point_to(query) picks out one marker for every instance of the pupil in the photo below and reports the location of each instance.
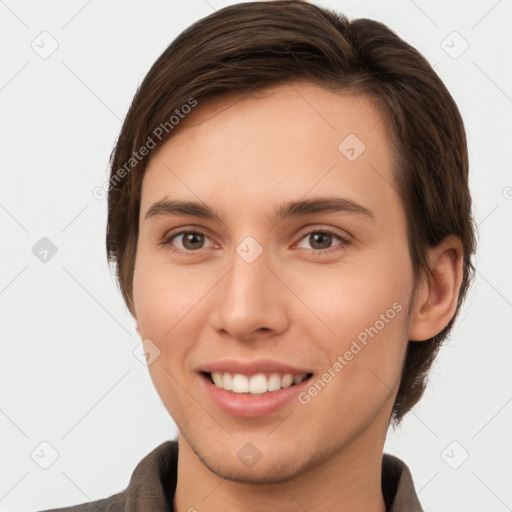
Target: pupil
(189, 240)
(318, 238)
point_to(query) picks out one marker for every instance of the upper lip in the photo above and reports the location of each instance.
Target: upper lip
(252, 367)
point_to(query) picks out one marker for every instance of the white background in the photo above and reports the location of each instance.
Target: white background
(68, 373)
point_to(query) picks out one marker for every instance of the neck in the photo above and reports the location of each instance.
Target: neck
(343, 480)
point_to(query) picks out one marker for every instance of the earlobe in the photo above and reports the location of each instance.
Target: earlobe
(437, 296)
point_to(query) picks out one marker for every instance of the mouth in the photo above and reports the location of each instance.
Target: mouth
(253, 388)
(262, 383)
(255, 395)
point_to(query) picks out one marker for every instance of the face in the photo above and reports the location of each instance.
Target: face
(251, 283)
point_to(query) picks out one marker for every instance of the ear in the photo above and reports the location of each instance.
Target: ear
(436, 298)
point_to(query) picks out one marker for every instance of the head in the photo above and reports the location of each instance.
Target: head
(262, 104)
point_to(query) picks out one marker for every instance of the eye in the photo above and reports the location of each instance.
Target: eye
(321, 241)
(190, 241)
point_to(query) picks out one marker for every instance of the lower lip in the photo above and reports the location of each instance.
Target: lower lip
(251, 406)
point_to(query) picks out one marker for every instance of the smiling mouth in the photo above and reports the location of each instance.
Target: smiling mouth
(256, 384)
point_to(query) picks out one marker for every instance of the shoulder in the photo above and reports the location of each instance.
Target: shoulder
(398, 486)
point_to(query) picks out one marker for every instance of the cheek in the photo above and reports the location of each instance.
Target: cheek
(170, 308)
(365, 327)
(164, 303)
(164, 295)
(364, 354)
(352, 297)
(363, 313)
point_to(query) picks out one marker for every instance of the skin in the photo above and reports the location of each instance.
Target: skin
(244, 157)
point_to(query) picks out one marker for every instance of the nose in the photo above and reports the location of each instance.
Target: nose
(250, 301)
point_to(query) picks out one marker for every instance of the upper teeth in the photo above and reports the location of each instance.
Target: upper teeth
(259, 383)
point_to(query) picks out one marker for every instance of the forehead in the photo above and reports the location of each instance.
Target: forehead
(288, 140)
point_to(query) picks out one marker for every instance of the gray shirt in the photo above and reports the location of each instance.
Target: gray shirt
(153, 482)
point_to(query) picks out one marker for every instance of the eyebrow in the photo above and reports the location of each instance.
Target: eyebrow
(169, 207)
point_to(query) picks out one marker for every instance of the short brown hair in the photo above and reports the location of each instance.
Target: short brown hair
(253, 45)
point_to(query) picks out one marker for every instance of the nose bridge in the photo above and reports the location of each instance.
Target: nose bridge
(247, 299)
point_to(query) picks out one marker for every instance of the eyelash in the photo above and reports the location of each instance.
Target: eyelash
(344, 241)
